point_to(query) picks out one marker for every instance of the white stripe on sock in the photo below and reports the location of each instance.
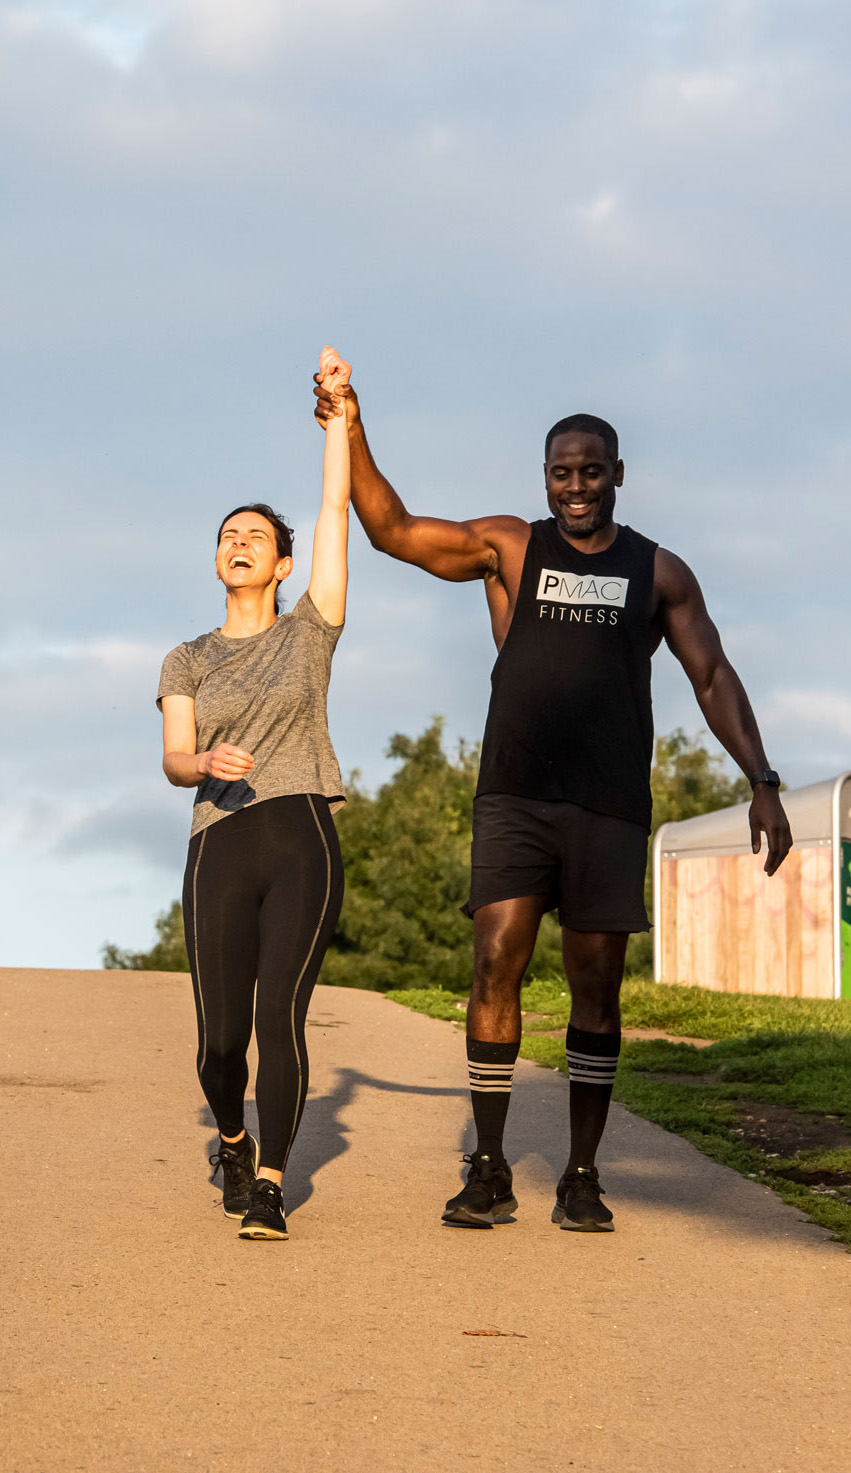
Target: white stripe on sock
(490, 1078)
(591, 1068)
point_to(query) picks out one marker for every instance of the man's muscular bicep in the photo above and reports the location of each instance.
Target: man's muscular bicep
(684, 620)
(458, 551)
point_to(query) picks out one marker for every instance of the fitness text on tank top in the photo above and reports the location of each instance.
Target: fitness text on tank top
(570, 715)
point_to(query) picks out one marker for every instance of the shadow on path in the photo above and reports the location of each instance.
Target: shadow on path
(635, 1171)
(641, 1165)
(323, 1136)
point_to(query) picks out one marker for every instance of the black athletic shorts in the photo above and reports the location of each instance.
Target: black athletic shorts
(589, 865)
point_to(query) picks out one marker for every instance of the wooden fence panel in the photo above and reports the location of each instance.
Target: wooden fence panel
(727, 926)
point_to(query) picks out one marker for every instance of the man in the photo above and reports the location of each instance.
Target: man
(578, 606)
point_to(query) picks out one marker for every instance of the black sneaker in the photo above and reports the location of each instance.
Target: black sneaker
(265, 1215)
(578, 1207)
(487, 1198)
(238, 1160)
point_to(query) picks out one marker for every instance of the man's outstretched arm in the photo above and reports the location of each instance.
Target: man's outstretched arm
(691, 635)
(457, 551)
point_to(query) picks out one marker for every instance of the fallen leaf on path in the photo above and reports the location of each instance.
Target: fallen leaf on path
(503, 1334)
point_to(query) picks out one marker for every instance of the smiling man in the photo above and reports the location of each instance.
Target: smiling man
(561, 818)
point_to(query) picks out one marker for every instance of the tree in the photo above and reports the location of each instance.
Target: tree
(406, 852)
(168, 954)
(407, 859)
(688, 779)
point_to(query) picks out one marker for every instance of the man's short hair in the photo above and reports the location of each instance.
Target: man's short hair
(591, 426)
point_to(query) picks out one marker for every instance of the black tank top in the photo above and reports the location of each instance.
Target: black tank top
(570, 713)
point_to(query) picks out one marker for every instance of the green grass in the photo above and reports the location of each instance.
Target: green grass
(433, 1001)
(791, 1053)
(695, 1012)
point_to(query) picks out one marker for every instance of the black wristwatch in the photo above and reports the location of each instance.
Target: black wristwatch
(769, 776)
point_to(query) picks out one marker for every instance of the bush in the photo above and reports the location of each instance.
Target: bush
(406, 853)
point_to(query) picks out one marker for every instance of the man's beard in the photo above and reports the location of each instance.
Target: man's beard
(600, 516)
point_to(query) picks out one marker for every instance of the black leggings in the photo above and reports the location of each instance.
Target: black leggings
(261, 897)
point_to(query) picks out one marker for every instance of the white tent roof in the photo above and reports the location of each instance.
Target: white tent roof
(812, 812)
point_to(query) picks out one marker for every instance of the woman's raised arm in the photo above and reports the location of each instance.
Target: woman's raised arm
(330, 571)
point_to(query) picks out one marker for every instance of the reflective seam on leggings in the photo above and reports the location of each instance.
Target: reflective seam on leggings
(197, 963)
(309, 956)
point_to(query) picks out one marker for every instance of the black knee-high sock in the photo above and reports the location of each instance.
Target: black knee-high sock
(592, 1059)
(491, 1069)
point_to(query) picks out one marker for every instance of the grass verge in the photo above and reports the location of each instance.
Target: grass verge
(769, 1097)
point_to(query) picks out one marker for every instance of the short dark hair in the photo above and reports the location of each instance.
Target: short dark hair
(283, 533)
(591, 425)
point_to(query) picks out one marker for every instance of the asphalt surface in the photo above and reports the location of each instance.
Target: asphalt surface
(709, 1332)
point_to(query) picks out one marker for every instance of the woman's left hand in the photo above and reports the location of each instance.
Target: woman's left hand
(333, 376)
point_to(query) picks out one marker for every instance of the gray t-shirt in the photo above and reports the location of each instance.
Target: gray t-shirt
(266, 694)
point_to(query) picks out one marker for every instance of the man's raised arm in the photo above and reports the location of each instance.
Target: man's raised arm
(457, 551)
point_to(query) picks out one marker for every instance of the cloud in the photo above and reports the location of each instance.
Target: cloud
(823, 715)
(115, 31)
(146, 825)
(113, 656)
(232, 37)
(502, 213)
(146, 822)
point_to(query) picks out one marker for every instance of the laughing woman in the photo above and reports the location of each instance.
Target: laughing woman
(245, 722)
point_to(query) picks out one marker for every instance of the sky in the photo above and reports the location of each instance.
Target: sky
(501, 213)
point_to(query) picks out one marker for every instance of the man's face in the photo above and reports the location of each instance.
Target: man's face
(580, 480)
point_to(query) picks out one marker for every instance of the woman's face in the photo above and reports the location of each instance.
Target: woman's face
(247, 555)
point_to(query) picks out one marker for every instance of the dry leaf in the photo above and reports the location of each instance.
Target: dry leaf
(503, 1334)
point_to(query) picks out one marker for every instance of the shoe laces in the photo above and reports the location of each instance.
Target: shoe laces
(268, 1191)
(237, 1162)
(584, 1181)
(482, 1168)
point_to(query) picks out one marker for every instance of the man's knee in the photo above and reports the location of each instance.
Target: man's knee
(498, 966)
(595, 1011)
(594, 968)
(595, 1003)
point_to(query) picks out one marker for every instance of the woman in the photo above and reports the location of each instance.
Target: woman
(245, 721)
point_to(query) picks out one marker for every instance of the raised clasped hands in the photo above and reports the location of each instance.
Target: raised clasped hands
(333, 391)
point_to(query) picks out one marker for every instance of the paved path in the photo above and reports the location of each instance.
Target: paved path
(709, 1332)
